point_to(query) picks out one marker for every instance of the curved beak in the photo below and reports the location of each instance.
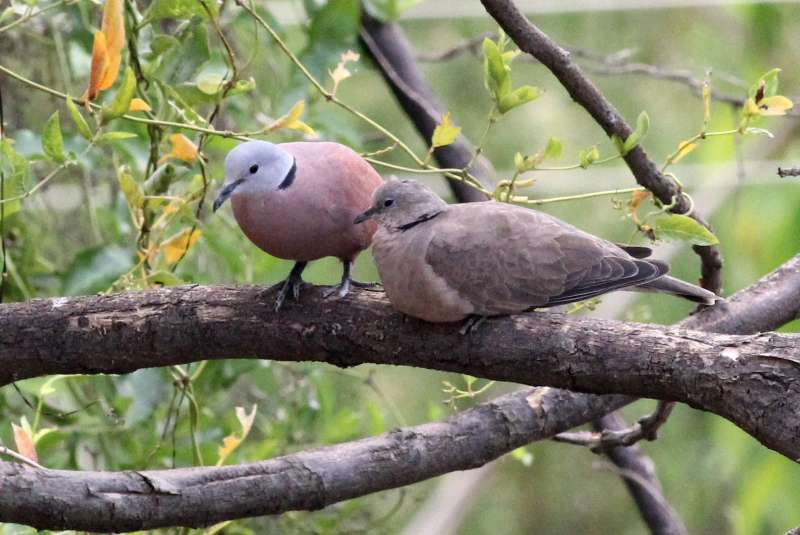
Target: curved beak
(369, 214)
(225, 193)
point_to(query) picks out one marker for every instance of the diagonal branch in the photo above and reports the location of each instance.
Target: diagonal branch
(392, 53)
(532, 40)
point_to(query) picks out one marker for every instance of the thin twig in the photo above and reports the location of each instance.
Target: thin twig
(645, 428)
(789, 171)
(21, 458)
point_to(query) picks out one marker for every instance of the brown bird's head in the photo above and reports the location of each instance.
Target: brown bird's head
(402, 204)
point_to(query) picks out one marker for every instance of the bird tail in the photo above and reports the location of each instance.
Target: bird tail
(671, 285)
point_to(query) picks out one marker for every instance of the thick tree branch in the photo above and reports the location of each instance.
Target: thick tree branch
(550, 410)
(134, 500)
(751, 380)
(392, 53)
(532, 40)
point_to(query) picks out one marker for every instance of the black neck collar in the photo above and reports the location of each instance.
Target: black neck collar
(421, 219)
(289, 178)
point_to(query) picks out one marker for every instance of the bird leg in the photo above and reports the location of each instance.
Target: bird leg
(292, 285)
(471, 324)
(343, 287)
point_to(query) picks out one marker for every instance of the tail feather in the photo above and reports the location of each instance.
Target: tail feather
(671, 285)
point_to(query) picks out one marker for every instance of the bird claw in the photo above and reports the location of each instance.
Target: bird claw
(288, 286)
(340, 289)
(471, 324)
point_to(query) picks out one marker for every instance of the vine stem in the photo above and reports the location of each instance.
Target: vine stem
(549, 200)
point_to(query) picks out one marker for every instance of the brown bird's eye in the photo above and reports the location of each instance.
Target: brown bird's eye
(388, 202)
(253, 169)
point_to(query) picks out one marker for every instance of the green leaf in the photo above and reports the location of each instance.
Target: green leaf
(93, 270)
(682, 227)
(77, 118)
(18, 175)
(116, 135)
(210, 82)
(179, 9)
(553, 149)
(122, 100)
(587, 157)
(336, 24)
(770, 80)
(445, 133)
(158, 183)
(131, 189)
(495, 73)
(518, 97)
(642, 126)
(52, 141)
(164, 278)
(181, 62)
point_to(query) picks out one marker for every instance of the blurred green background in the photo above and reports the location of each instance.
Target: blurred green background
(75, 236)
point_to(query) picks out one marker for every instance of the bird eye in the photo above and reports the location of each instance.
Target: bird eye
(388, 202)
(253, 169)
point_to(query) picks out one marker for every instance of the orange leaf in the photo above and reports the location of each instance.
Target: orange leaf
(99, 65)
(138, 104)
(24, 443)
(182, 149)
(113, 28)
(176, 246)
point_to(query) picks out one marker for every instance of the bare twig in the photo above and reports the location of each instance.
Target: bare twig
(19, 457)
(788, 171)
(613, 437)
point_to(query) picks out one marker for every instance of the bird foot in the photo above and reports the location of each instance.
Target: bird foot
(340, 290)
(289, 286)
(471, 324)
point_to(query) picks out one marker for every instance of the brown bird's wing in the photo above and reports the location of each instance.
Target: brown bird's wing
(506, 259)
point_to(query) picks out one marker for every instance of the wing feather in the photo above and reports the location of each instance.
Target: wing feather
(506, 259)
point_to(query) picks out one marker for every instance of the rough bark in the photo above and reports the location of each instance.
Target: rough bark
(58, 499)
(751, 380)
(195, 497)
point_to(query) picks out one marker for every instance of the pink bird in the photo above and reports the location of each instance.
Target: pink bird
(297, 201)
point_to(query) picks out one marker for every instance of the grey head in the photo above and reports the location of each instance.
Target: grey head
(403, 204)
(255, 167)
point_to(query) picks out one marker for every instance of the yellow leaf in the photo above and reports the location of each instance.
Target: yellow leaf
(138, 104)
(684, 148)
(176, 246)
(232, 441)
(24, 442)
(444, 133)
(775, 105)
(182, 149)
(113, 27)
(99, 66)
(341, 72)
(292, 120)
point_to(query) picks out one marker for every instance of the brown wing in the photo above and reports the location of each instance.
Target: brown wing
(507, 259)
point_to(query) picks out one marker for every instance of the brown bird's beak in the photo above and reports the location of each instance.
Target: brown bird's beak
(226, 192)
(369, 214)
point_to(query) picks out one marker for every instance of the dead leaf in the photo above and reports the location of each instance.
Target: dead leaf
(24, 443)
(176, 246)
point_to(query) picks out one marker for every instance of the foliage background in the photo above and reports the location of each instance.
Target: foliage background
(75, 236)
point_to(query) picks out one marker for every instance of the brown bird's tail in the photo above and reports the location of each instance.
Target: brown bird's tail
(671, 285)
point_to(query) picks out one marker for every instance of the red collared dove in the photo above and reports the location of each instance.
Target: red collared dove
(297, 201)
(444, 263)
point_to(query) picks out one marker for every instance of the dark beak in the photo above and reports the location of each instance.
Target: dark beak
(365, 216)
(226, 192)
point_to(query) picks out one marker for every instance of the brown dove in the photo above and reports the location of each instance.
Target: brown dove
(297, 201)
(445, 263)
